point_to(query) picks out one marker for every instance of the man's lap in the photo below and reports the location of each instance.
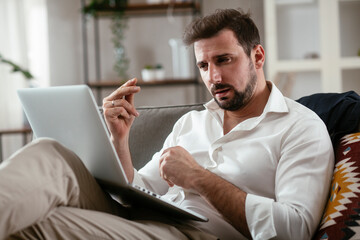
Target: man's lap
(75, 223)
(63, 201)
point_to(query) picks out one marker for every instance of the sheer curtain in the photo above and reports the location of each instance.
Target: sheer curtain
(23, 40)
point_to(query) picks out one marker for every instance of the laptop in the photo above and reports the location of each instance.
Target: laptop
(70, 115)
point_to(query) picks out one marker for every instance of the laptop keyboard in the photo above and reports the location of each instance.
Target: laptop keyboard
(147, 191)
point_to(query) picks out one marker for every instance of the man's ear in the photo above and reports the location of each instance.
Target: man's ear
(259, 56)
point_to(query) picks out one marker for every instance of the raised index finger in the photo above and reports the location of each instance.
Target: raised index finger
(124, 90)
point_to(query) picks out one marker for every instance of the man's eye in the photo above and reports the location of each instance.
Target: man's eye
(223, 60)
(202, 66)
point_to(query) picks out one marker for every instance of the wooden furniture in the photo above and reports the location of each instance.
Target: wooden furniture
(98, 86)
(137, 10)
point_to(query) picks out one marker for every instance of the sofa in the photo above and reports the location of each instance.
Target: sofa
(341, 114)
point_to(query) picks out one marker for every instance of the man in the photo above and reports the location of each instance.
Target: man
(258, 165)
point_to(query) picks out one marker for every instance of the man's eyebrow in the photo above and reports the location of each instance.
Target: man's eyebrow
(223, 55)
(217, 56)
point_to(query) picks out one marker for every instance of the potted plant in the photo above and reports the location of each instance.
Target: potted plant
(118, 26)
(96, 6)
(153, 73)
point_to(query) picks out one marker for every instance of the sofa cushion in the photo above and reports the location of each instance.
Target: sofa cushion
(151, 128)
(339, 111)
(341, 219)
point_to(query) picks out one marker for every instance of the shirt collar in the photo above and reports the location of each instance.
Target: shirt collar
(276, 104)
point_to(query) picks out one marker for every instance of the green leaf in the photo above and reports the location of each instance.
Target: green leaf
(16, 68)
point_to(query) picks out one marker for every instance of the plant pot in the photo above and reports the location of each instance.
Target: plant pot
(148, 75)
(152, 74)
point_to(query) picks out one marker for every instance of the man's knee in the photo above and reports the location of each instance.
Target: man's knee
(46, 143)
(45, 140)
(44, 156)
(39, 145)
(51, 151)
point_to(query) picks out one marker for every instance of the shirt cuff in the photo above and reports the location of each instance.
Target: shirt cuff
(259, 217)
(137, 179)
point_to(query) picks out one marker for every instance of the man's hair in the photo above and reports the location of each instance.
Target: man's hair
(237, 21)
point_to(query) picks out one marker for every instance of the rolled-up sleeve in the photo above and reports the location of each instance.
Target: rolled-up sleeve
(301, 188)
(259, 217)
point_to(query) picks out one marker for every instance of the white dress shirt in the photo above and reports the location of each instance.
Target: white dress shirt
(283, 159)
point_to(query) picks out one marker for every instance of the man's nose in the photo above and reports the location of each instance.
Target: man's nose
(214, 74)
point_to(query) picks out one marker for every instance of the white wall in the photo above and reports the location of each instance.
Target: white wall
(65, 43)
(17, 19)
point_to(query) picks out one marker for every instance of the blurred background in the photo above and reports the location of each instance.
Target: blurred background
(311, 46)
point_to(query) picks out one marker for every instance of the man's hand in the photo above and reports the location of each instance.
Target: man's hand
(178, 167)
(119, 110)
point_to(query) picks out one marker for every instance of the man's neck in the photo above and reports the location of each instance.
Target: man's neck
(253, 108)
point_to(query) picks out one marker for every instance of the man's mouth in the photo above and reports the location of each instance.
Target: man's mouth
(221, 93)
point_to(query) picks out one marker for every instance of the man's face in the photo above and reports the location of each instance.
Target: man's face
(226, 70)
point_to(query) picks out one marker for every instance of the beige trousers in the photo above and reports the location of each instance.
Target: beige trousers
(47, 193)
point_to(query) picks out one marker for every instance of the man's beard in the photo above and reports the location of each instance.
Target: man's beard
(240, 99)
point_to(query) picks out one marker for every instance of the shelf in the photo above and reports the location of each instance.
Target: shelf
(349, 0)
(293, 2)
(24, 130)
(98, 83)
(350, 62)
(326, 29)
(299, 65)
(140, 9)
(98, 86)
(314, 64)
(166, 82)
